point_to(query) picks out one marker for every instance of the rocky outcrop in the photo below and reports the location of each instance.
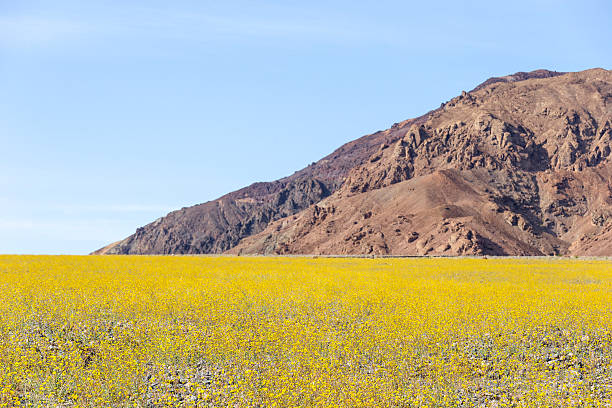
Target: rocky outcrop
(526, 126)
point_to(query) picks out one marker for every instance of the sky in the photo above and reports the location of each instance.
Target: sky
(113, 113)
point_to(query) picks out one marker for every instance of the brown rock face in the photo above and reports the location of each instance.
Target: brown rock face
(515, 167)
(519, 166)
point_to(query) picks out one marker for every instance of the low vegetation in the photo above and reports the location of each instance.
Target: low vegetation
(286, 332)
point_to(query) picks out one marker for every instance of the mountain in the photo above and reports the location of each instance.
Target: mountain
(520, 165)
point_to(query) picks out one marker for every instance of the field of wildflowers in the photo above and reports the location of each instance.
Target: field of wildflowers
(125, 331)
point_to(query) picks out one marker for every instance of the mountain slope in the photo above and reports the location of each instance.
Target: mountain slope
(515, 167)
(361, 166)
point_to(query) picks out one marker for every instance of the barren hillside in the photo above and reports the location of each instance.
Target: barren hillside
(519, 166)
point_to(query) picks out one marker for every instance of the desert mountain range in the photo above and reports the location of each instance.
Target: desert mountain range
(520, 165)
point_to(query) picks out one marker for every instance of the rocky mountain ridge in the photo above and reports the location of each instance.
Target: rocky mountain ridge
(516, 166)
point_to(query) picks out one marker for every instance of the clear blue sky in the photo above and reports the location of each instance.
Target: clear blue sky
(112, 113)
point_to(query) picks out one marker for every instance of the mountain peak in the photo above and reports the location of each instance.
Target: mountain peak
(519, 76)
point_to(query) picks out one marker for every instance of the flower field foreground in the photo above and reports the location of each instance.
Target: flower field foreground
(289, 332)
